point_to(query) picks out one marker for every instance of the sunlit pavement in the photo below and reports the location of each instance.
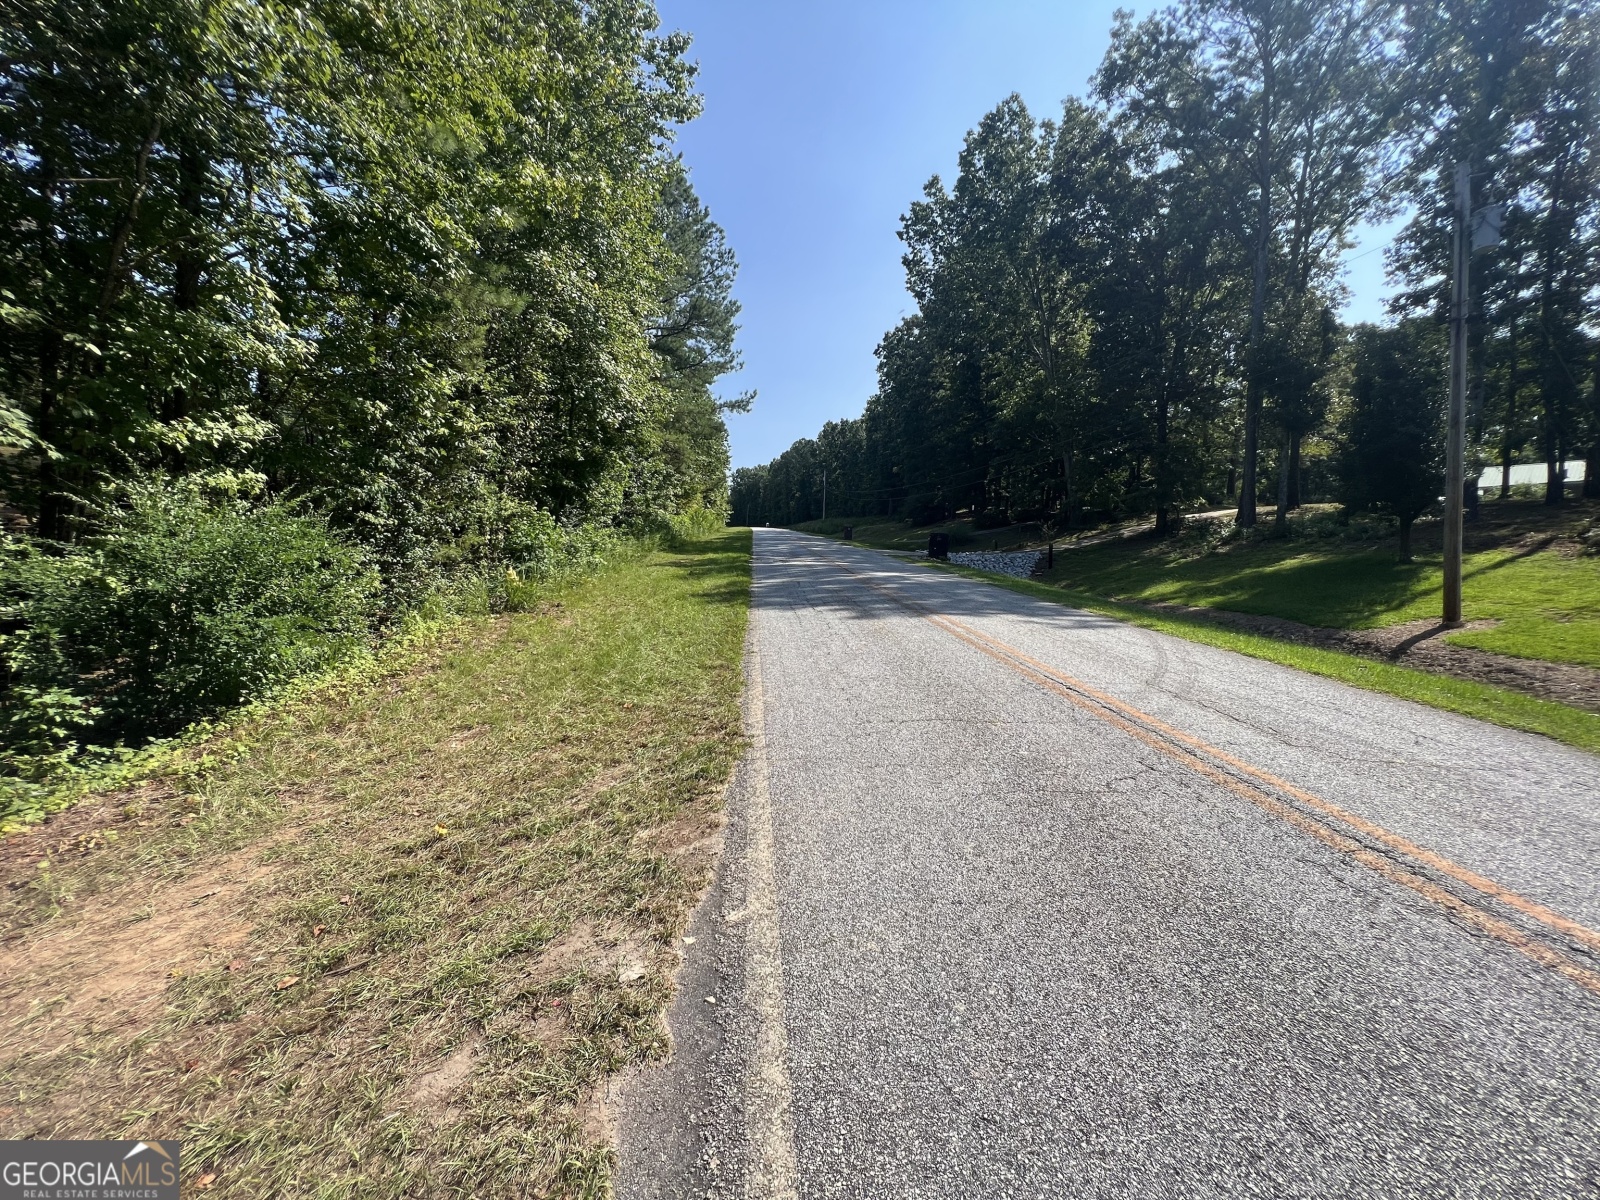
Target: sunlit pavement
(1020, 901)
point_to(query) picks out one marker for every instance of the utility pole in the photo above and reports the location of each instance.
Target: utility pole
(824, 493)
(1456, 427)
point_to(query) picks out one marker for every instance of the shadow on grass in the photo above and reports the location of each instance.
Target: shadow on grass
(1318, 587)
(721, 561)
(1484, 565)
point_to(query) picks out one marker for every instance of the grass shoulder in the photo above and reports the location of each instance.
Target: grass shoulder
(1527, 572)
(395, 945)
(1498, 705)
(1531, 578)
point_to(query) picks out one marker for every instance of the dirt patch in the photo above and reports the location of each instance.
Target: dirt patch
(601, 950)
(1421, 645)
(87, 826)
(104, 972)
(597, 1113)
(432, 1093)
(694, 838)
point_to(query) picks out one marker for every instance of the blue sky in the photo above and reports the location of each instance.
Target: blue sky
(822, 122)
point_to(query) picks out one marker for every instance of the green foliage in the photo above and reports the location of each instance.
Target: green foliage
(426, 280)
(1514, 89)
(1391, 458)
(180, 609)
(453, 292)
(697, 523)
(540, 550)
(1131, 308)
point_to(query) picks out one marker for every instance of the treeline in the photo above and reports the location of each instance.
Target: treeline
(312, 310)
(1132, 309)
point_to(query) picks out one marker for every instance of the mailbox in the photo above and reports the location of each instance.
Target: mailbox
(938, 545)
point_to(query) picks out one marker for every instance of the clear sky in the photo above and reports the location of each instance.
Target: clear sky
(822, 122)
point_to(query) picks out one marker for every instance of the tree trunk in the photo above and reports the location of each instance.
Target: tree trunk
(1555, 478)
(1294, 472)
(1252, 390)
(1161, 467)
(1508, 431)
(190, 261)
(1258, 312)
(1549, 377)
(1591, 462)
(52, 517)
(1280, 519)
(1405, 539)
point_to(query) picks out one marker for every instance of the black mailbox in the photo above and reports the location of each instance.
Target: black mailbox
(938, 545)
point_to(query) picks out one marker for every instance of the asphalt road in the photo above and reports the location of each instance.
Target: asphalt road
(1017, 901)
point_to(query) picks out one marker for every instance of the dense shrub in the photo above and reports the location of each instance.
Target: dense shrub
(699, 521)
(179, 609)
(540, 550)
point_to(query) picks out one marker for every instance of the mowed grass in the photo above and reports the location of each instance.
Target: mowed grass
(395, 948)
(1514, 710)
(1548, 603)
(1547, 600)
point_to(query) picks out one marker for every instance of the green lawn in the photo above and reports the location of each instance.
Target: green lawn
(1547, 599)
(1548, 602)
(392, 947)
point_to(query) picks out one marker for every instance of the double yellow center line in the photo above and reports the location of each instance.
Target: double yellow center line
(1396, 858)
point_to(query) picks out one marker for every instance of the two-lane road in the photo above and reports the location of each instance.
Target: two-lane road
(1018, 901)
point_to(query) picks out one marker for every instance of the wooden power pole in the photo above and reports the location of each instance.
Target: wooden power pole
(1455, 482)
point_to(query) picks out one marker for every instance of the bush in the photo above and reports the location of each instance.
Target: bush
(698, 522)
(179, 609)
(1333, 524)
(539, 550)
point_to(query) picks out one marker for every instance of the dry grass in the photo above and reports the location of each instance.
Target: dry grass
(392, 950)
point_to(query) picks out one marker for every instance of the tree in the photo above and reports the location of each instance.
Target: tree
(1295, 361)
(1511, 88)
(1281, 107)
(433, 282)
(692, 335)
(1391, 439)
(1164, 293)
(1110, 304)
(747, 502)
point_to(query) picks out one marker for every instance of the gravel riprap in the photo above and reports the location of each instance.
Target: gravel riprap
(1001, 562)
